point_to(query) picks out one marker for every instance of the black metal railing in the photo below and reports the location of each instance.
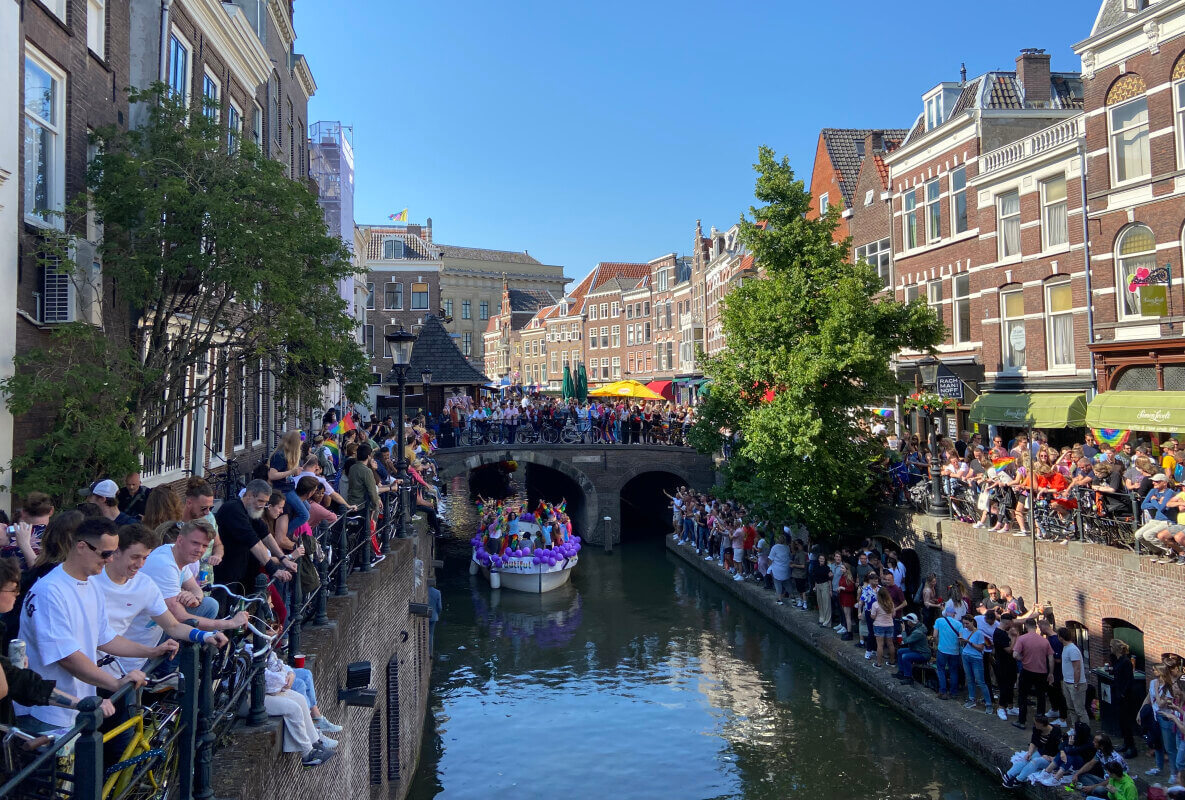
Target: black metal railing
(216, 688)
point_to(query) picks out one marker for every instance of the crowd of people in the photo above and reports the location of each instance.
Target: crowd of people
(131, 571)
(508, 531)
(1006, 485)
(607, 419)
(1014, 662)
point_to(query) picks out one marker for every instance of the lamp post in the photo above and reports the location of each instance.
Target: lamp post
(928, 369)
(400, 343)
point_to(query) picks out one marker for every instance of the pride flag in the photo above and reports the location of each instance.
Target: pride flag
(346, 424)
(400, 217)
(999, 463)
(1111, 436)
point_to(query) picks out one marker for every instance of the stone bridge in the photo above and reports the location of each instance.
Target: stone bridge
(602, 477)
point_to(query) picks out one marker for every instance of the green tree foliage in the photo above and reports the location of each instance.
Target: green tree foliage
(817, 332)
(213, 261)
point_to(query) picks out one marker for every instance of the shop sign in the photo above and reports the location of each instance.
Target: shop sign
(1154, 301)
(950, 386)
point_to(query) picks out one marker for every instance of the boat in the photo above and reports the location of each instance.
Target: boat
(533, 569)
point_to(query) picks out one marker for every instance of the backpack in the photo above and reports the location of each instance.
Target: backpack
(1179, 472)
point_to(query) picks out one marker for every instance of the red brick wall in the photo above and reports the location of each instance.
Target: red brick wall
(824, 181)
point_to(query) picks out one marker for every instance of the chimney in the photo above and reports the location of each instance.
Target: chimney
(427, 234)
(1032, 70)
(414, 230)
(874, 142)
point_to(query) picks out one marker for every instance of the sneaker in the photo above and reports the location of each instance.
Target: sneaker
(781, 602)
(1020, 533)
(969, 704)
(1002, 714)
(316, 757)
(867, 655)
(1061, 723)
(1014, 711)
(326, 726)
(979, 525)
(876, 665)
(842, 631)
(326, 743)
(738, 577)
(1153, 771)
(989, 711)
(837, 627)
(709, 558)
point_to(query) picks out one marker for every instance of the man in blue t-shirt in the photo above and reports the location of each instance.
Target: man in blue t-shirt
(947, 630)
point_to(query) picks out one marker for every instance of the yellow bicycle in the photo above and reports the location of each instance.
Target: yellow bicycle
(147, 766)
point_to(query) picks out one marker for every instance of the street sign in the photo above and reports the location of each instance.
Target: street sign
(1154, 301)
(950, 386)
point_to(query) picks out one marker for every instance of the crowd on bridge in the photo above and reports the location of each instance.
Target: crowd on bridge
(1015, 662)
(533, 417)
(98, 595)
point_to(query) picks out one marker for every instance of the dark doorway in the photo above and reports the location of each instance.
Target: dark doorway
(645, 507)
(545, 483)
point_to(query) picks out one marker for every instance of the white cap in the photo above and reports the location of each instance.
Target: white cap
(105, 488)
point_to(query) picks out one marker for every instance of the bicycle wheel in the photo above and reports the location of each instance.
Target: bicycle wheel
(525, 436)
(570, 435)
(494, 435)
(551, 435)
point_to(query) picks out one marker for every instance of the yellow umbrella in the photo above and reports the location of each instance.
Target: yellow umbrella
(626, 388)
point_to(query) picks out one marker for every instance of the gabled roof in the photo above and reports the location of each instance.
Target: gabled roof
(435, 349)
(845, 149)
(482, 254)
(529, 300)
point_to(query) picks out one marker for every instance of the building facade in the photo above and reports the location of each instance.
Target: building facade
(11, 69)
(839, 155)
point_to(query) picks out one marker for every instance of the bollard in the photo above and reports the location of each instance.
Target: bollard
(294, 622)
(343, 562)
(385, 533)
(188, 702)
(257, 715)
(1078, 521)
(322, 615)
(88, 752)
(203, 758)
(1136, 521)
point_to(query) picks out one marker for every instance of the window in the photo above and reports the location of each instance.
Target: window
(604, 338)
(646, 309)
(45, 152)
(257, 126)
(368, 339)
(1136, 250)
(448, 308)
(961, 308)
(1053, 212)
(466, 343)
(180, 52)
(1012, 330)
(604, 369)
(466, 312)
(911, 293)
(878, 255)
(1059, 324)
(392, 249)
(370, 297)
(484, 309)
(394, 297)
(592, 339)
(1130, 157)
(96, 27)
(647, 332)
(911, 220)
(615, 309)
(823, 204)
(615, 332)
(592, 312)
(670, 355)
(234, 128)
(958, 200)
(604, 310)
(257, 422)
(662, 281)
(934, 296)
(933, 112)
(868, 197)
(211, 89)
(419, 297)
(629, 335)
(240, 415)
(933, 211)
(616, 367)
(56, 7)
(57, 302)
(629, 312)
(273, 107)
(1008, 223)
(1179, 98)
(218, 386)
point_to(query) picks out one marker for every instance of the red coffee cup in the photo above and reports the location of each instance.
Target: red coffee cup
(298, 660)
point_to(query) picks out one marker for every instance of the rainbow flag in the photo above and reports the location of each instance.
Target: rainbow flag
(346, 424)
(400, 217)
(1000, 463)
(1111, 436)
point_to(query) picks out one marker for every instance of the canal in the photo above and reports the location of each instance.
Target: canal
(641, 679)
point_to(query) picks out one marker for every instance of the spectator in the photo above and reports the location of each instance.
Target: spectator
(161, 508)
(25, 544)
(64, 625)
(171, 568)
(820, 576)
(244, 535)
(313, 468)
(1160, 701)
(1035, 655)
(1122, 684)
(974, 642)
(102, 494)
(779, 565)
(199, 504)
(847, 601)
(1092, 772)
(282, 699)
(132, 496)
(1004, 664)
(882, 628)
(1043, 749)
(363, 487)
(283, 466)
(1073, 678)
(915, 648)
(798, 567)
(1118, 786)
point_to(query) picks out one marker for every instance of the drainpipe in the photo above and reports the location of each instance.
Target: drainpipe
(1086, 257)
(164, 39)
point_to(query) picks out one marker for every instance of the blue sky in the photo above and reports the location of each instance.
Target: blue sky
(586, 132)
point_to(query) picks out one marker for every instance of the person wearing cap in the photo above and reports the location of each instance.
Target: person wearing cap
(1157, 504)
(915, 648)
(104, 494)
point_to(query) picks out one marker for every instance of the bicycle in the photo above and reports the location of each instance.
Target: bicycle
(229, 482)
(148, 763)
(570, 434)
(527, 434)
(231, 667)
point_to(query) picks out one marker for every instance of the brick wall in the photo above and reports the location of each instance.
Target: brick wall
(1085, 583)
(824, 181)
(368, 625)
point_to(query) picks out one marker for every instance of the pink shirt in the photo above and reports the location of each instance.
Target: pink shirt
(1033, 650)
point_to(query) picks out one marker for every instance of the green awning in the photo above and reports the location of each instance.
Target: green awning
(1159, 412)
(1030, 410)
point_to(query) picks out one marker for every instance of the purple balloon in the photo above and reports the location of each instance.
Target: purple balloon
(536, 561)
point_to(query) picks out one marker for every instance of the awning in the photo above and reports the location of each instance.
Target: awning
(1159, 412)
(1030, 410)
(663, 388)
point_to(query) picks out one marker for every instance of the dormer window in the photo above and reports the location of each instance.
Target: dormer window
(392, 249)
(934, 112)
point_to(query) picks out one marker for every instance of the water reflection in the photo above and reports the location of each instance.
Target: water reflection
(643, 680)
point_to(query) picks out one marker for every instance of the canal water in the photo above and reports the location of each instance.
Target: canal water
(641, 679)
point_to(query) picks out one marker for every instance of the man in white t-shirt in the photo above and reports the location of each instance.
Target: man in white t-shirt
(64, 626)
(169, 567)
(312, 467)
(136, 609)
(1073, 678)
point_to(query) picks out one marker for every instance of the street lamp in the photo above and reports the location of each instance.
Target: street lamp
(400, 343)
(928, 369)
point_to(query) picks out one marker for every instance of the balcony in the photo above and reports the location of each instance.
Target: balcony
(1042, 141)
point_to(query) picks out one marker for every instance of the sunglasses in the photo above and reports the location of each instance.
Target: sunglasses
(103, 554)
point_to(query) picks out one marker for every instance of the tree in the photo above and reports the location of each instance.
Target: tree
(213, 262)
(816, 332)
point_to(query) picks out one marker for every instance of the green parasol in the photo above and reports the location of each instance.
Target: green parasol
(582, 385)
(566, 390)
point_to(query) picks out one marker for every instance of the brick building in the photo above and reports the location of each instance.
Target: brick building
(1133, 66)
(839, 155)
(946, 249)
(869, 217)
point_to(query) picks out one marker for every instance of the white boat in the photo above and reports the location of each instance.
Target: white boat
(521, 573)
